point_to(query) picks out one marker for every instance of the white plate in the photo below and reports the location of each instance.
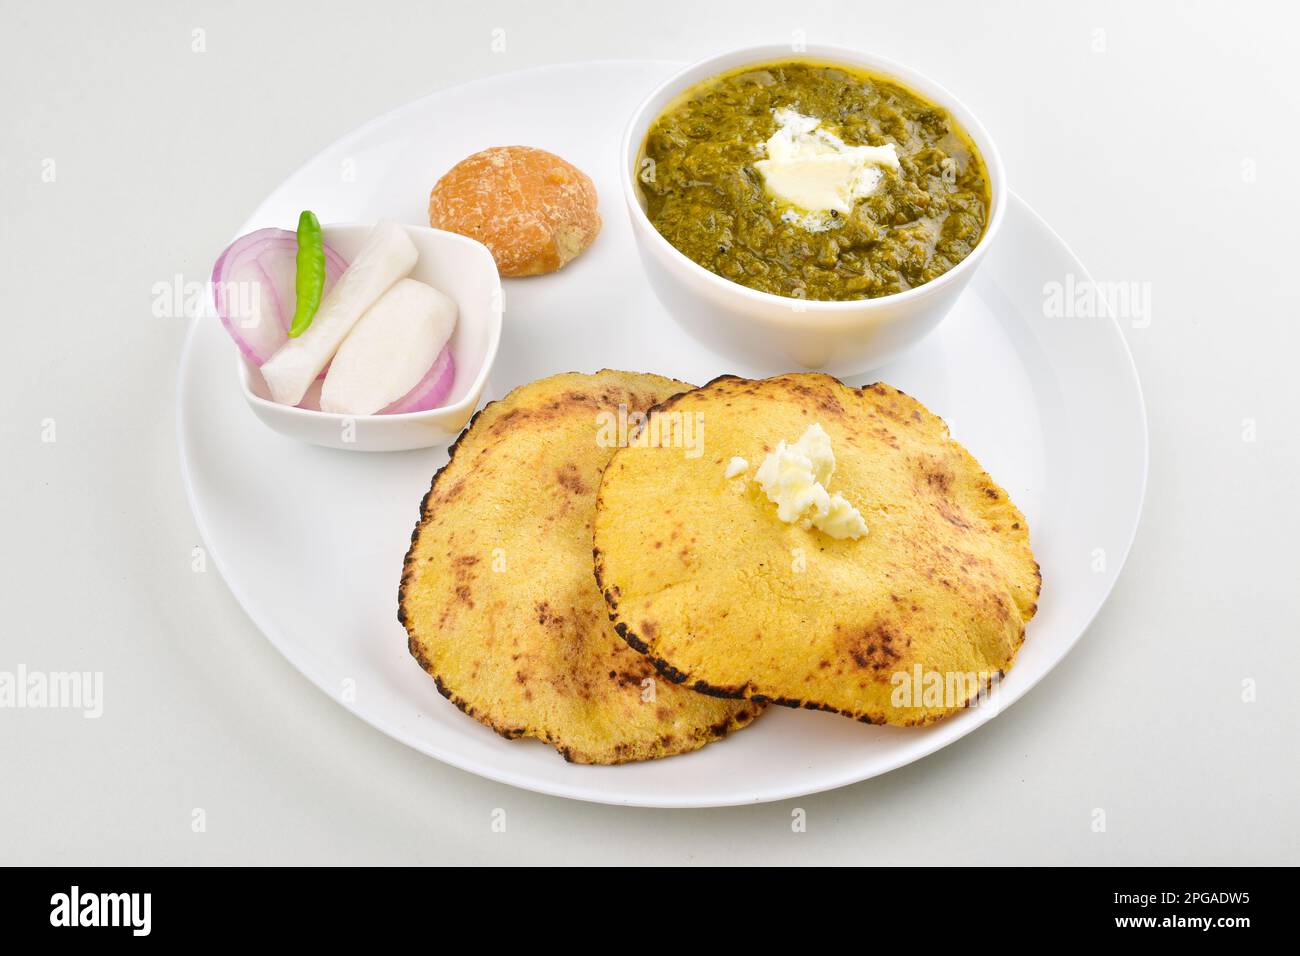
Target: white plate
(1050, 406)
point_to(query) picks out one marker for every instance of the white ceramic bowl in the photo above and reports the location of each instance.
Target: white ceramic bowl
(460, 267)
(775, 332)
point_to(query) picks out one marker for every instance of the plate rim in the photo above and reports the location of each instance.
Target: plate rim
(590, 792)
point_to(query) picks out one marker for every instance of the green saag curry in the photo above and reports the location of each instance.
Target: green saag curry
(705, 196)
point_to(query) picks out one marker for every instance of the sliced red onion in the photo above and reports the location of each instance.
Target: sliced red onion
(253, 289)
(430, 391)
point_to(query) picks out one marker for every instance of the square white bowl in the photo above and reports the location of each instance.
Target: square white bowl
(460, 267)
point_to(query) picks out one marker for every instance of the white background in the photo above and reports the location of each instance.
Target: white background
(1161, 142)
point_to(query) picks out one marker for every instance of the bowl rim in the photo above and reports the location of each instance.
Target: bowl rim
(496, 312)
(829, 311)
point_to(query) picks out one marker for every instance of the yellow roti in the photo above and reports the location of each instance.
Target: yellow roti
(904, 625)
(497, 592)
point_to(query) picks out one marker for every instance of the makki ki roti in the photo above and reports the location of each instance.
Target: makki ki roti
(497, 594)
(904, 625)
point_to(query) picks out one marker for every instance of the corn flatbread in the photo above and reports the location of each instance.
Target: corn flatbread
(699, 573)
(497, 592)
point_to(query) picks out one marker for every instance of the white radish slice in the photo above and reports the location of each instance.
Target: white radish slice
(253, 289)
(389, 351)
(431, 391)
(388, 255)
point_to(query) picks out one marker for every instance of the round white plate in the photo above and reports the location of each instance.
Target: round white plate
(311, 540)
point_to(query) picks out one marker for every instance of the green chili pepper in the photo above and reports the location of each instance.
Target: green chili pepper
(310, 281)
